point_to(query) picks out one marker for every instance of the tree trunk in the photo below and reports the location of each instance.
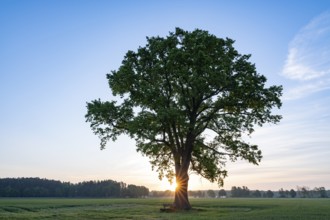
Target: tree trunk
(181, 201)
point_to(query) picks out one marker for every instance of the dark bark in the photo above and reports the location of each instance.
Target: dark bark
(181, 200)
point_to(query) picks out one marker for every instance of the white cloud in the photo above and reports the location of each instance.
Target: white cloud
(298, 67)
(303, 89)
(308, 59)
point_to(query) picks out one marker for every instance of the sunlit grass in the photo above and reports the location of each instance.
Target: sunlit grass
(149, 209)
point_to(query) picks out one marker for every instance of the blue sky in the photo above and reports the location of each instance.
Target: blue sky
(54, 56)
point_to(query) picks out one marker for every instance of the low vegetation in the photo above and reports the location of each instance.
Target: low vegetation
(230, 208)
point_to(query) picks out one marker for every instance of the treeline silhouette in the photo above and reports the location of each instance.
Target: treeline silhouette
(245, 192)
(36, 187)
(300, 192)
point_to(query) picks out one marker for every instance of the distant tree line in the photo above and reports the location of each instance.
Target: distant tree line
(245, 192)
(159, 193)
(317, 192)
(301, 192)
(36, 187)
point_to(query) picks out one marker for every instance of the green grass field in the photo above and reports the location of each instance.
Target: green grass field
(34, 208)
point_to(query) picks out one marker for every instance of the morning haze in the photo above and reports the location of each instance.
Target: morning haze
(55, 56)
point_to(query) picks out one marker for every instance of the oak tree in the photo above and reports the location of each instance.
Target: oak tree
(188, 99)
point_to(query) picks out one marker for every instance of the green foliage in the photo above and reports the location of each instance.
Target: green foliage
(240, 191)
(211, 193)
(222, 193)
(176, 90)
(36, 187)
(256, 194)
(246, 209)
(269, 194)
(293, 193)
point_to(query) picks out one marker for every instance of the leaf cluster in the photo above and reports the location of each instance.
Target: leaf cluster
(179, 89)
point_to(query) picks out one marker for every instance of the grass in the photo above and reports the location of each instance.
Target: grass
(50, 208)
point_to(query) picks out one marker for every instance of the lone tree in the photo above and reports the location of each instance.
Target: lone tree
(188, 100)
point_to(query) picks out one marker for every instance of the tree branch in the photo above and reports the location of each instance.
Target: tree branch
(216, 151)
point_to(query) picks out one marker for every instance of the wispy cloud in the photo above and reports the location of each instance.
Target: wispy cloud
(308, 59)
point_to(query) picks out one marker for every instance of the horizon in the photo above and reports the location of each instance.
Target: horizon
(55, 56)
(309, 188)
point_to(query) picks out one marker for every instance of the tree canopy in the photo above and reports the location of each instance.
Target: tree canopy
(188, 100)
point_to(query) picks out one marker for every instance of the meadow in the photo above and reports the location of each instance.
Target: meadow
(229, 208)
